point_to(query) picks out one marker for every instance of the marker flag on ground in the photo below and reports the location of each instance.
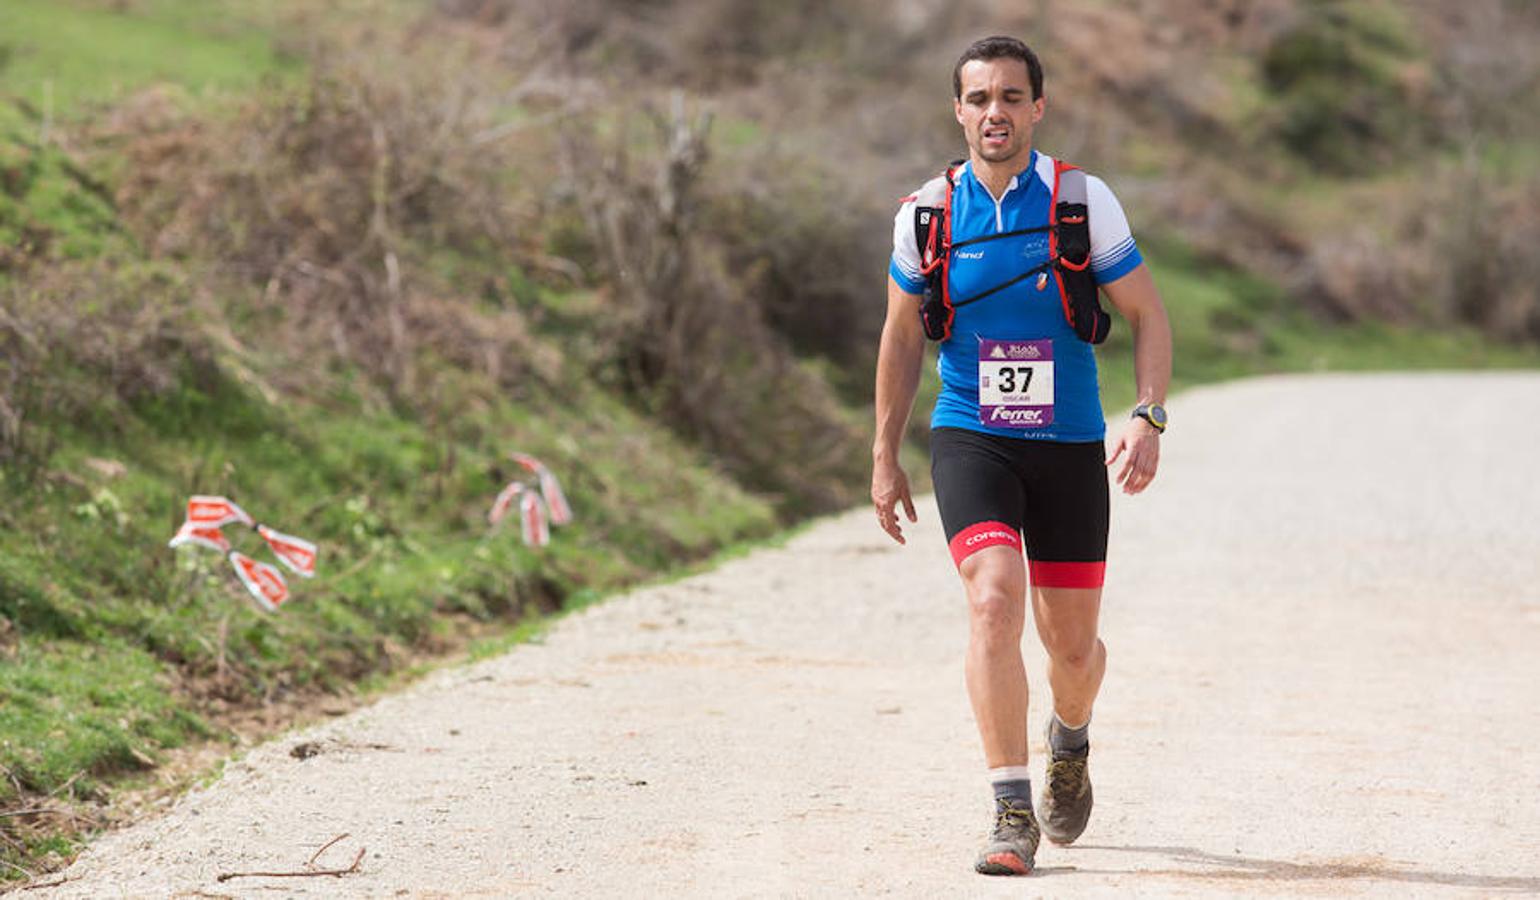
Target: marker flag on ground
(214, 512)
(550, 488)
(297, 554)
(198, 536)
(264, 582)
(504, 502)
(537, 533)
(528, 462)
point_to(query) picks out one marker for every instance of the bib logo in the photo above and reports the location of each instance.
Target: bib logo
(1016, 416)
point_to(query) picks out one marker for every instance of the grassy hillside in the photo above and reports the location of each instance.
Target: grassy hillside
(337, 263)
(65, 56)
(131, 378)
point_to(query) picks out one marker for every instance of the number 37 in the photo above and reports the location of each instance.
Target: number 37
(1008, 376)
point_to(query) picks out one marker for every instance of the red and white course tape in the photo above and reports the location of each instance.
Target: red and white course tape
(297, 554)
(207, 514)
(264, 581)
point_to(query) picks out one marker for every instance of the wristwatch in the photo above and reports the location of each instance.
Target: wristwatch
(1153, 413)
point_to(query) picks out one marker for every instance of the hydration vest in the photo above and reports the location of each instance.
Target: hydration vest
(1069, 254)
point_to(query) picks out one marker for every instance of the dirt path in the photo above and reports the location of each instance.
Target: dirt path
(1324, 633)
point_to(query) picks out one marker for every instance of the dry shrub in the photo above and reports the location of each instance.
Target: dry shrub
(1480, 238)
(1354, 276)
(332, 201)
(77, 339)
(1489, 66)
(689, 336)
(335, 206)
(1460, 253)
(811, 251)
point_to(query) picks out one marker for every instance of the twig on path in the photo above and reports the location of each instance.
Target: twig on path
(324, 847)
(24, 812)
(49, 884)
(314, 873)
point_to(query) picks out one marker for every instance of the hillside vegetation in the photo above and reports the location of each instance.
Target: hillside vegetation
(338, 262)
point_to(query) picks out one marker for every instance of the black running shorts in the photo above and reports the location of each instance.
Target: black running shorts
(1050, 495)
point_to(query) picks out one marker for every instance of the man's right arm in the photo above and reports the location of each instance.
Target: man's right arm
(899, 357)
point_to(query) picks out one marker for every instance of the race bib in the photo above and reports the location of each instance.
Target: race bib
(1016, 383)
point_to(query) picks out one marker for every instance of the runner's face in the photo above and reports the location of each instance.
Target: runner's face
(996, 109)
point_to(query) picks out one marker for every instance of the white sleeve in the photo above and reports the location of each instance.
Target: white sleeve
(1113, 251)
(905, 264)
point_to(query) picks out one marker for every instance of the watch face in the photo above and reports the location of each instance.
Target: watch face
(1158, 415)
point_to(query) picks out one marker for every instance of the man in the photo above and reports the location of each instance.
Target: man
(1036, 483)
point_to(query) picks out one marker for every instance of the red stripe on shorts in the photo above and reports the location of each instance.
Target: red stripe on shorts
(983, 534)
(1067, 574)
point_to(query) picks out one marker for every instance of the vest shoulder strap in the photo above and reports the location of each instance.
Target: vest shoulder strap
(1069, 185)
(930, 204)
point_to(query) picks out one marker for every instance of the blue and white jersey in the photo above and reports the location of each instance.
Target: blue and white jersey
(1028, 310)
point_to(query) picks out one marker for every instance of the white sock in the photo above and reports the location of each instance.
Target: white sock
(1011, 783)
(1010, 773)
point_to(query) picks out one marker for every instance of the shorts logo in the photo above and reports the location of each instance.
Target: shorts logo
(983, 534)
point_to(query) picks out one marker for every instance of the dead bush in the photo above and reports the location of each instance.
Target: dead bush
(336, 201)
(78, 340)
(1480, 236)
(687, 335)
(1458, 253)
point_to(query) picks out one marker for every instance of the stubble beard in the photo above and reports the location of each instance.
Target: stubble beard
(1004, 154)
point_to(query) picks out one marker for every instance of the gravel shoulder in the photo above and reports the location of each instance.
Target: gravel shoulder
(1322, 624)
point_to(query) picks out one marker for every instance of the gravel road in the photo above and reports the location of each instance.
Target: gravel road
(1323, 623)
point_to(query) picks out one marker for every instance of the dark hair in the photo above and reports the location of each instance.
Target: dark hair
(1000, 47)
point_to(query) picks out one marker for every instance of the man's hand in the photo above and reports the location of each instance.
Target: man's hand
(1142, 442)
(890, 487)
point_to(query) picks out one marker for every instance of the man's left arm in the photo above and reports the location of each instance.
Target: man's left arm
(1136, 298)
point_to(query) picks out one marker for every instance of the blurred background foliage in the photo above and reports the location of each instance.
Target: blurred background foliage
(336, 261)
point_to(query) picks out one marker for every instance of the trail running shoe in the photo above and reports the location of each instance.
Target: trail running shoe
(1066, 801)
(1012, 845)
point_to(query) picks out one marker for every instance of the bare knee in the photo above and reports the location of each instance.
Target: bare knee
(1079, 657)
(995, 616)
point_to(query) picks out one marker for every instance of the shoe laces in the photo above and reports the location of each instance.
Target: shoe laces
(1066, 779)
(1012, 818)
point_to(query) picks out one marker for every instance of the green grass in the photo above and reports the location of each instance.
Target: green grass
(63, 57)
(398, 507)
(111, 699)
(49, 208)
(116, 642)
(111, 644)
(62, 61)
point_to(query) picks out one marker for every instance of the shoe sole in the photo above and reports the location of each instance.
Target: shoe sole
(1003, 864)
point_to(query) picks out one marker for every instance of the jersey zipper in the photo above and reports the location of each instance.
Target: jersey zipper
(999, 216)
